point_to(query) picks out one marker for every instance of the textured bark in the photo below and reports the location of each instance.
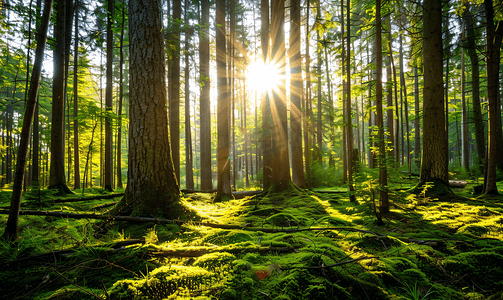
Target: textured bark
(76, 152)
(189, 176)
(434, 155)
(109, 98)
(381, 155)
(307, 106)
(389, 97)
(223, 116)
(57, 169)
(471, 46)
(464, 122)
(266, 102)
(174, 85)
(494, 34)
(281, 178)
(417, 127)
(121, 97)
(10, 232)
(319, 126)
(351, 158)
(152, 188)
(296, 94)
(205, 112)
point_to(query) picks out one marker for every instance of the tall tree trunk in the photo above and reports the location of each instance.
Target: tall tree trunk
(296, 94)
(464, 122)
(348, 113)
(189, 176)
(121, 97)
(174, 95)
(319, 126)
(223, 149)
(417, 127)
(232, 92)
(76, 152)
(471, 46)
(205, 109)
(281, 165)
(434, 162)
(406, 103)
(390, 113)
(383, 171)
(11, 228)
(344, 101)
(494, 34)
(307, 106)
(57, 177)
(108, 99)
(266, 101)
(152, 187)
(35, 160)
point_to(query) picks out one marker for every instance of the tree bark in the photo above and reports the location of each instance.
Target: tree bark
(296, 94)
(11, 228)
(494, 34)
(281, 178)
(351, 161)
(108, 99)
(223, 116)
(121, 97)
(266, 102)
(152, 188)
(174, 85)
(57, 169)
(189, 176)
(434, 155)
(205, 111)
(381, 154)
(76, 152)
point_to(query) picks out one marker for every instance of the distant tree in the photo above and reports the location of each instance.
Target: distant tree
(152, 188)
(121, 97)
(76, 154)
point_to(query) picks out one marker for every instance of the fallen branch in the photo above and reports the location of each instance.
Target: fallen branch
(179, 222)
(59, 254)
(107, 196)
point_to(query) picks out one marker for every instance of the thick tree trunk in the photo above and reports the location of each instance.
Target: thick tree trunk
(351, 159)
(494, 34)
(57, 177)
(204, 106)
(296, 94)
(417, 127)
(281, 179)
(307, 106)
(223, 116)
(12, 222)
(464, 122)
(266, 102)
(152, 188)
(434, 155)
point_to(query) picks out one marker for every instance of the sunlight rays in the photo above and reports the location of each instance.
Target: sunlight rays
(263, 77)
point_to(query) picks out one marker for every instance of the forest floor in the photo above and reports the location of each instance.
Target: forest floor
(310, 244)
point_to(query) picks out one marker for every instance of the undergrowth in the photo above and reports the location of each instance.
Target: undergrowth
(298, 244)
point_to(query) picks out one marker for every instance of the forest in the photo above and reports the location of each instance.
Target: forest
(258, 149)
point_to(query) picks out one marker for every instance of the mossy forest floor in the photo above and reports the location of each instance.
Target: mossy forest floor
(312, 244)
